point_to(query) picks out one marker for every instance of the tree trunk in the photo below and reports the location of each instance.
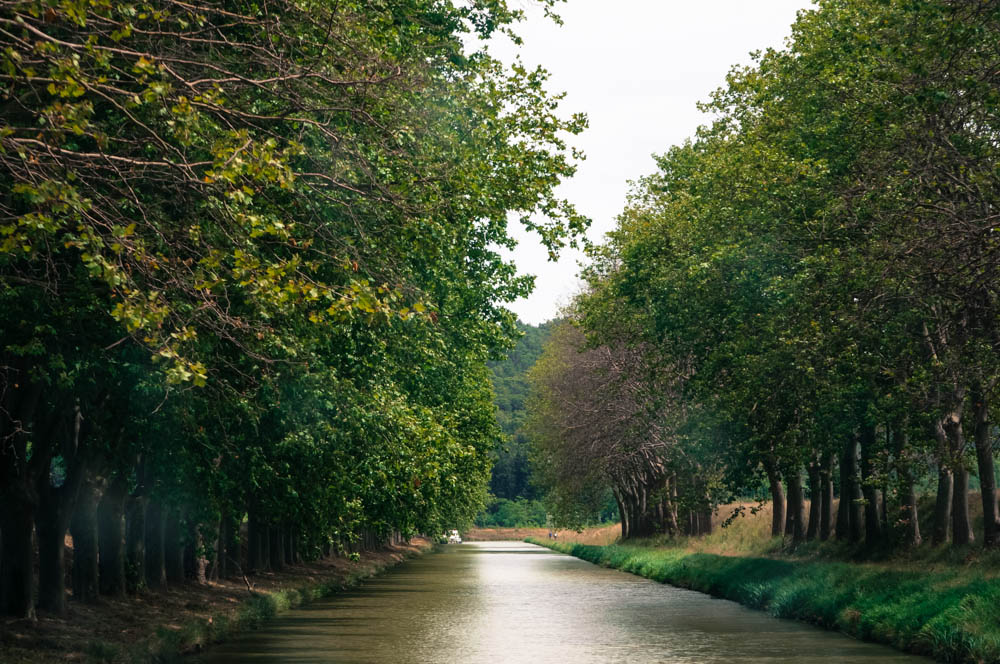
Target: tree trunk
(216, 554)
(843, 526)
(55, 509)
(873, 520)
(849, 519)
(853, 493)
(908, 512)
(83, 527)
(257, 560)
(826, 510)
(277, 542)
(173, 548)
(221, 568)
(289, 545)
(961, 523)
(50, 527)
(815, 499)
(135, 541)
(234, 561)
(154, 565)
(796, 506)
(984, 460)
(111, 538)
(195, 562)
(17, 576)
(942, 505)
(622, 514)
(777, 497)
(909, 517)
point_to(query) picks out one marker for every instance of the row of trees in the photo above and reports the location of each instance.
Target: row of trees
(808, 288)
(249, 280)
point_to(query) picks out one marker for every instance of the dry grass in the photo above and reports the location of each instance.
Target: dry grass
(600, 535)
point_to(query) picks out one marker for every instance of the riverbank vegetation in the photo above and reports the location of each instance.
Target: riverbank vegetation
(950, 613)
(250, 281)
(186, 619)
(802, 302)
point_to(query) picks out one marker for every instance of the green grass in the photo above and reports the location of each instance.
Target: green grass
(950, 613)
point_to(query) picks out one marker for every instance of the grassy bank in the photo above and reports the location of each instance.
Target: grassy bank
(950, 613)
(164, 626)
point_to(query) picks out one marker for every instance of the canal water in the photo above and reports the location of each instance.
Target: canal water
(512, 602)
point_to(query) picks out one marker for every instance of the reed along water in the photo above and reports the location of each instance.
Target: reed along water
(510, 602)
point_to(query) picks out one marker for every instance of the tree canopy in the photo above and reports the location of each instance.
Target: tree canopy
(813, 275)
(249, 273)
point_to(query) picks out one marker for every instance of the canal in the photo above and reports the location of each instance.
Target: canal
(515, 602)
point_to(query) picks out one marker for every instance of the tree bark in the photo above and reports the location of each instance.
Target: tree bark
(796, 506)
(83, 528)
(277, 542)
(909, 517)
(873, 520)
(55, 509)
(234, 560)
(195, 562)
(777, 497)
(135, 544)
(154, 566)
(111, 539)
(173, 548)
(985, 464)
(815, 499)
(51, 527)
(849, 519)
(942, 505)
(826, 511)
(961, 522)
(17, 574)
(257, 560)
(19, 474)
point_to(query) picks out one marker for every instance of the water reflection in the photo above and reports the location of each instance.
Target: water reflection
(514, 602)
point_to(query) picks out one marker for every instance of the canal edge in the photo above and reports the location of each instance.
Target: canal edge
(198, 635)
(697, 576)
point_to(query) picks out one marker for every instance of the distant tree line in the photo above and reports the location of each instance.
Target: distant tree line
(512, 473)
(804, 295)
(249, 279)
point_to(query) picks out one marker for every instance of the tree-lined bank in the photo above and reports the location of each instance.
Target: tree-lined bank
(249, 279)
(804, 297)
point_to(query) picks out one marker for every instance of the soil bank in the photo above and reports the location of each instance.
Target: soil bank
(164, 626)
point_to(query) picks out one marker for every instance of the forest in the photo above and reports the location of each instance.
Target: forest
(800, 305)
(250, 280)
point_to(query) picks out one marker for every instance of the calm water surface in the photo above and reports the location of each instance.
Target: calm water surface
(514, 602)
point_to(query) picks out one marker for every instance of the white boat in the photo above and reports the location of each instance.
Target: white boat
(454, 537)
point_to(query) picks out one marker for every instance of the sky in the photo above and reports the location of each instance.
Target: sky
(637, 68)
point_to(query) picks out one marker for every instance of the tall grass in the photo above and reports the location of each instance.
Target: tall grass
(951, 614)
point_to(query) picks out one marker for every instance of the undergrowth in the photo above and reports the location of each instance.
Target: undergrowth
(951, 613)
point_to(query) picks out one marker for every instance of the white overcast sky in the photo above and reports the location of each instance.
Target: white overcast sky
(636, 68)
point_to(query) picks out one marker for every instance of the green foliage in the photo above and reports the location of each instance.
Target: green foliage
(266, 276)
(808, 275)
(511, 475)
(520, 513)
